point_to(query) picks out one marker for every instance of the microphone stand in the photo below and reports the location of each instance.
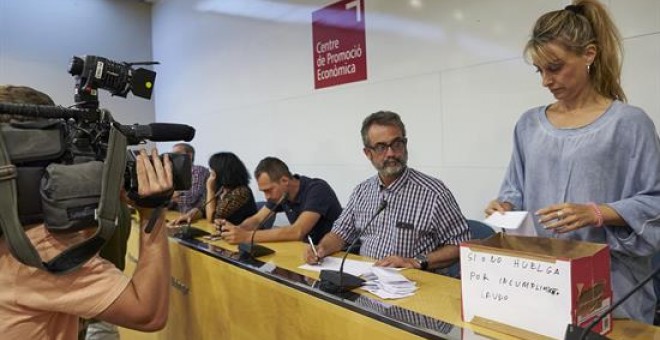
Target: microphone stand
(333, 281)
(189, 232)
(251, 250)
(575, 332)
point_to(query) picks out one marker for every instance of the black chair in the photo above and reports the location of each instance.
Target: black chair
(478, 230)
(269, 222)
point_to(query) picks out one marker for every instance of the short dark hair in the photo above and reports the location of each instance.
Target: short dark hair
(188, 148)
(21, 95)
(381, 118)
(229, 170)
(274, 167)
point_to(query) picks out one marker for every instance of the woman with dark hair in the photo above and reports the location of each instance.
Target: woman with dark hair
(228, 195)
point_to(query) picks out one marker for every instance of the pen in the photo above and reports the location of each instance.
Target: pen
(311, 243)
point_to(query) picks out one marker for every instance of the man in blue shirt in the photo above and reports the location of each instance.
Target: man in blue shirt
(310, 205)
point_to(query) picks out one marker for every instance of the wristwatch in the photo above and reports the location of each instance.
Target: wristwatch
(423, 261)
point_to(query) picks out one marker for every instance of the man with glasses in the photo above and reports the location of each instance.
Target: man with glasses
(421, 224)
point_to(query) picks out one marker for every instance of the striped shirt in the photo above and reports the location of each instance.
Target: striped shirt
(421, 216)
(192, 198)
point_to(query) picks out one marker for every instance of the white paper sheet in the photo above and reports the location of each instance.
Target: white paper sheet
(387, 283)
(515, 222)
(353, 267)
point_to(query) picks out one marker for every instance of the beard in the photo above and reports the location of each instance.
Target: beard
(391, 166)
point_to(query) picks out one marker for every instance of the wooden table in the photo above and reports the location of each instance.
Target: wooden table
(214, 296)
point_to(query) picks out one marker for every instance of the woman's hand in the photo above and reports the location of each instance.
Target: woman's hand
(497, 206)
(565, 217)
(210, 182)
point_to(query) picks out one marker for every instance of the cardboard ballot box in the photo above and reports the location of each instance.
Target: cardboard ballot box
(535, 287)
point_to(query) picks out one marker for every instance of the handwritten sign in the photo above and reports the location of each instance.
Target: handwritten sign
(339, 43)
(522, 292)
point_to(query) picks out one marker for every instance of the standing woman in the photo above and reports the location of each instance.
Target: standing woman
(588, 165)
(228, 195)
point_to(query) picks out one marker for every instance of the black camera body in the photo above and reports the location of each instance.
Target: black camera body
(181, 171)
(78, 136)
(94, 72)
(66, 166)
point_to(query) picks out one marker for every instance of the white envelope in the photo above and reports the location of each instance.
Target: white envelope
(515, 222)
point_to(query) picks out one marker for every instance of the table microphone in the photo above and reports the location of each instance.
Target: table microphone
(333, 281)
(251, 250)
(189, 232)
(575, 332)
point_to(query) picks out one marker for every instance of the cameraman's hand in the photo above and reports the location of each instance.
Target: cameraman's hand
(154, 177)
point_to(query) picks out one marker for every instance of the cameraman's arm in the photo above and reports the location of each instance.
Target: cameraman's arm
(144, 304)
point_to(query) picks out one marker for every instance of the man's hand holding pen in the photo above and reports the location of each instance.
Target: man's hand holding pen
(319, 259)
(314, 254)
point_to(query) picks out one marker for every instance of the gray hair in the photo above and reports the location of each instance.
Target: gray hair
(381, 118)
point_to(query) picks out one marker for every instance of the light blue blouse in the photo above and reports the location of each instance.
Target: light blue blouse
(615, 161)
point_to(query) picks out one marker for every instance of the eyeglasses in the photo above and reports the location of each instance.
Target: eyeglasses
(397, 145)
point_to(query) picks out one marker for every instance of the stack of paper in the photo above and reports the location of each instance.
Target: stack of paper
(353, 267)
(388, 283)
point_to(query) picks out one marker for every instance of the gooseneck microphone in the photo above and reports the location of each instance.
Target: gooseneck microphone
(190, 232)
(333, 281)
(251, 250)
(574, 332)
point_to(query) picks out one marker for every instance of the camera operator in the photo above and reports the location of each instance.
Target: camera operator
(37, 304)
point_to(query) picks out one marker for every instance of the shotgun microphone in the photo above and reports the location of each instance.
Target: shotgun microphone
(251, 250)
(157, 132)
(575, 332)
(336, 281)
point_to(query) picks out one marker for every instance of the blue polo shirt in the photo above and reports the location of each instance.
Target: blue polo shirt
(314, 195)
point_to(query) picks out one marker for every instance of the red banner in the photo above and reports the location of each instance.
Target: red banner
(339, 42)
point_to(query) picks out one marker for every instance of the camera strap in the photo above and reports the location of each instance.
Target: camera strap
(19, 244)
(106, 214)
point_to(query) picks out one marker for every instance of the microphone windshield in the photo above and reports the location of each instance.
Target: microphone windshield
(166, 132)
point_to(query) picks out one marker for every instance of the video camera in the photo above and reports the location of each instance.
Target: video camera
(58, 160)
(93, 72)
(86, 127)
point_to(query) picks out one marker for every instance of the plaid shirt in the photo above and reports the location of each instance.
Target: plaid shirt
(193, 198)
(421, 216)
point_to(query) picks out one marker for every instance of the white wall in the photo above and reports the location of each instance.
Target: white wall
(451, 68)
(39, 37)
